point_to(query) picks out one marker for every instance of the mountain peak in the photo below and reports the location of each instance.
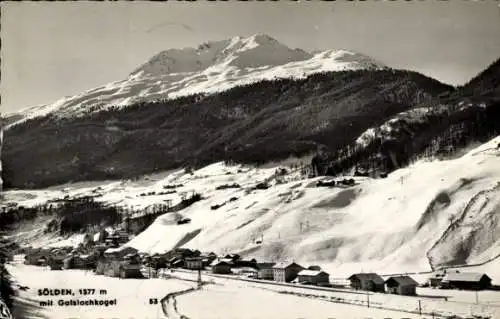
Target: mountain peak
(209, 67)
(241, 52)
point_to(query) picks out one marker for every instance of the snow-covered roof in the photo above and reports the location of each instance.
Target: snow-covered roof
(464, 276)
(120, 249)
(307, 272)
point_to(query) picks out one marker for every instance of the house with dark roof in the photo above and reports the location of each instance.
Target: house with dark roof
(436, 278)
(367, 281)
(194, 263)
(286, 271)
(313, 277)
(265, 271)
(401, 285)
(220, 267)
(466, 280)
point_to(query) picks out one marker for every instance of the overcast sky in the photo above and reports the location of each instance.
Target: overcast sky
(51, 50)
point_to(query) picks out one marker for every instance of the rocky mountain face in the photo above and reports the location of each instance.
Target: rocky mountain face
(211, 67)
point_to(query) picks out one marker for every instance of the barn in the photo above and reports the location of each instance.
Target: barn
(367, 281)
(313, 277)
(466, 280)
(401, 285)
(221, 267)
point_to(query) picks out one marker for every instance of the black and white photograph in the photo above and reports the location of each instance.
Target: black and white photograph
(250, 159)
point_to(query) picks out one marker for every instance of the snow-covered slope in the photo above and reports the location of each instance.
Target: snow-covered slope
(211, 67)
(387, 225)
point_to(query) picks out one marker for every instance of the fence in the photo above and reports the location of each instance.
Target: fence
(431, 306)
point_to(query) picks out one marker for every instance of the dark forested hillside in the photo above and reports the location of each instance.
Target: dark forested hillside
(256, 123)
(441, 128)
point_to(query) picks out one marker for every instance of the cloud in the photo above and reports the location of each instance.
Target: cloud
(169, 24)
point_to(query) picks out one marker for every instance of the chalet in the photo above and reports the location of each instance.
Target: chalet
(313, 277)
(227, 260)
(286, 271)
(265, 271)
(175, 262)
(466, 280)
(435, 279)
(221, 267)
(401, 285)
(367, 281)
(195, 263)
(127, 266)
(208, 258)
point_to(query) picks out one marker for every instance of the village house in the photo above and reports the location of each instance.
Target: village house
(227, 260)
(265, 271)
(314, 277)
(207, 259)
(436, 278)
(194, 263)
(401, 285)
(220, 267)
(175, 262)
(367, 281)
(466, 280)
(286, 271)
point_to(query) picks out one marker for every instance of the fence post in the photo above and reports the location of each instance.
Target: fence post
(419, 308)
(368, 299)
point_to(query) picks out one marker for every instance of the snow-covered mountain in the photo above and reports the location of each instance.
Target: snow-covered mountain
(211, 67)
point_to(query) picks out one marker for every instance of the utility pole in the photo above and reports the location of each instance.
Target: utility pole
(419, 308)
(199, 278)
(368, 299)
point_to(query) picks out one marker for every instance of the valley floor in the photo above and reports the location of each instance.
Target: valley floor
(132, 295)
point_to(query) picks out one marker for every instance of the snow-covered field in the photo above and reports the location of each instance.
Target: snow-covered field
(460, 303)
(382, 225)
(239, 301)
(132, 295)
